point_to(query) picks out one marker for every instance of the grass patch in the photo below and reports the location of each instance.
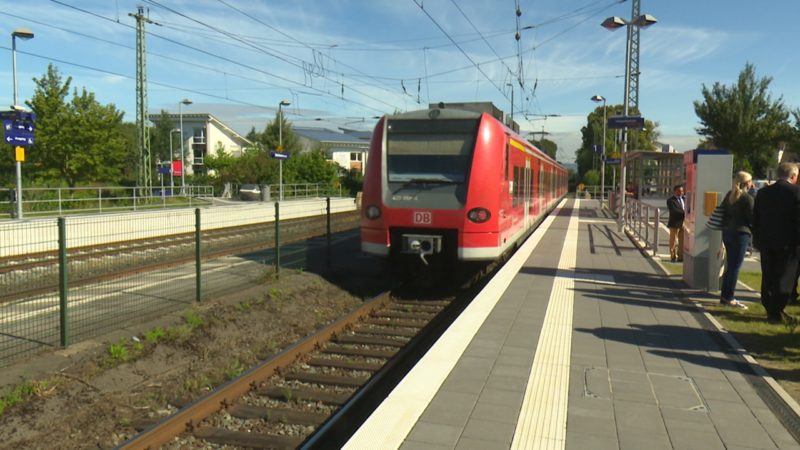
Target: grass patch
(193, 319)
(775, 346)
(22, 393)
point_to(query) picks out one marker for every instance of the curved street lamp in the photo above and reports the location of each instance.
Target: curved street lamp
(24, 34)
(613, 23)
(600, 98)
(187, 102)
(280, 146)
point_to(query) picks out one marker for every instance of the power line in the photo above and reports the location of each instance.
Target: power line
(282, 58)
(224, 58)
(474, 64)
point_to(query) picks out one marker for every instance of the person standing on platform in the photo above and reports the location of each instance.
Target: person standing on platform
(776, 234)
(736, 234)
(677, 212)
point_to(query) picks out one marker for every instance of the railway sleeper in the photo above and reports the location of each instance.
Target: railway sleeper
(369, 340)
(276, 415)
(304, 394)
(441, 303)
(344, 364)
(325, 379)
(351, 351)
(414, 315)
(386, 331)
(395, 322)
(415, 308)
(245, 439)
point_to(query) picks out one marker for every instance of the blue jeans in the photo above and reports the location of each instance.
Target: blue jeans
(736, 244)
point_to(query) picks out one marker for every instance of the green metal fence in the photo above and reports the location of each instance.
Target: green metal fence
(72, 278)
(53, 201)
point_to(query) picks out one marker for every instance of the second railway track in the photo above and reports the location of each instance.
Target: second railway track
(313, 393)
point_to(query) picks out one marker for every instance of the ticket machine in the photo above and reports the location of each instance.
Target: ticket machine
(708, 177)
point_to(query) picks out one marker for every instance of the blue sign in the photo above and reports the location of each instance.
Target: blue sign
(613, 161)
(279, 155)
(626, 122)
(597, 148)
(18, 127)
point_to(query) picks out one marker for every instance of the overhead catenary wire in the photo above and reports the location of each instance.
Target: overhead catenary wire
(285, 58)
(224, 58)
(466, 55)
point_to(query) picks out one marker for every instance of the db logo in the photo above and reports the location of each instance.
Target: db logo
(423, 217)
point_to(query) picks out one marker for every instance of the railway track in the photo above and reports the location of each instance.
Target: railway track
(315, 393)
(33, 274)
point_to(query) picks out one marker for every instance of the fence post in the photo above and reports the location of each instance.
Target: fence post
(59, 200)
(328, 228)
(63, 310)
(277, 240)
(198, 262)
(100, 199)
(656, 224)
(134, 199)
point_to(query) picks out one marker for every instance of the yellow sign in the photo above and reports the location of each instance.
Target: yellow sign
(616, 155)
(20, 154)
(280, 148)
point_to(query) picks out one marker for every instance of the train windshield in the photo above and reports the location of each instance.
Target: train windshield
(430, 151)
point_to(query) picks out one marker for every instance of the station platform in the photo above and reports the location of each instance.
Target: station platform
(582, 341)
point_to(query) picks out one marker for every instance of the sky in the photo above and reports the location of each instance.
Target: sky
(344, 63)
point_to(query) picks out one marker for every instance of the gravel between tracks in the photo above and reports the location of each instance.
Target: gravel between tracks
(89, 403)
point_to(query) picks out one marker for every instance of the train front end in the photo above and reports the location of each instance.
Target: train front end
(418, 208)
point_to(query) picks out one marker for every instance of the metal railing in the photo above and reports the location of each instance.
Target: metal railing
(271, 192)
(56, 201)
(643, 221)
(68, 279)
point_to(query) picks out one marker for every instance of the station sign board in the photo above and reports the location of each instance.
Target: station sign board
(279, 155)
(626, 122)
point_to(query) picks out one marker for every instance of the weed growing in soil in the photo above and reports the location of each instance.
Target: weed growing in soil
(21, 393)
(155, 335)
(117, 354)
(193, 319)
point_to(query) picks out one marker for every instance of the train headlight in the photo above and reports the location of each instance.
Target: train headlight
(373, 212)
(479, 215)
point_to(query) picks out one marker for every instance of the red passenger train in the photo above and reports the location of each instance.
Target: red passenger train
(445, 184)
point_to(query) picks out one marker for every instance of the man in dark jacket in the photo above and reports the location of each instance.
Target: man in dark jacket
(776, 233)
(675, 205)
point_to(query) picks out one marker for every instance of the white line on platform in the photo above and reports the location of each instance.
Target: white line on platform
(542, 422)
(389, 425)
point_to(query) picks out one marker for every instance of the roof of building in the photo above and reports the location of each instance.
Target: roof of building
(206, 117)
(324, 135)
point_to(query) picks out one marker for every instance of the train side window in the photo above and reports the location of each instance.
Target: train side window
(508, 169)
(515, 198)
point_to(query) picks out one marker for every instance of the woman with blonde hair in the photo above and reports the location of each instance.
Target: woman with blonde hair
(737, 232)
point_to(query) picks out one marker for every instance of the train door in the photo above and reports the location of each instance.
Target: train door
(527, 193)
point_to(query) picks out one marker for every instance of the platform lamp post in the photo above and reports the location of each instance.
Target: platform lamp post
(280, 146)
(24, 34)
(600, 98)
(185, 101)
(171, 160)
(613, 23)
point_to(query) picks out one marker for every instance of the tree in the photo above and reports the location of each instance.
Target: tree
(160, 136)
(311, 167)
(76, 142)
(592, 134)
(545, 145)
(744, 119)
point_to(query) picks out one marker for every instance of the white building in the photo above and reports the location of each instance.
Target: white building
(347, 148)
(203, 134)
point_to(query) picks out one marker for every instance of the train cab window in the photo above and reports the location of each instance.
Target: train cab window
(430, 151)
